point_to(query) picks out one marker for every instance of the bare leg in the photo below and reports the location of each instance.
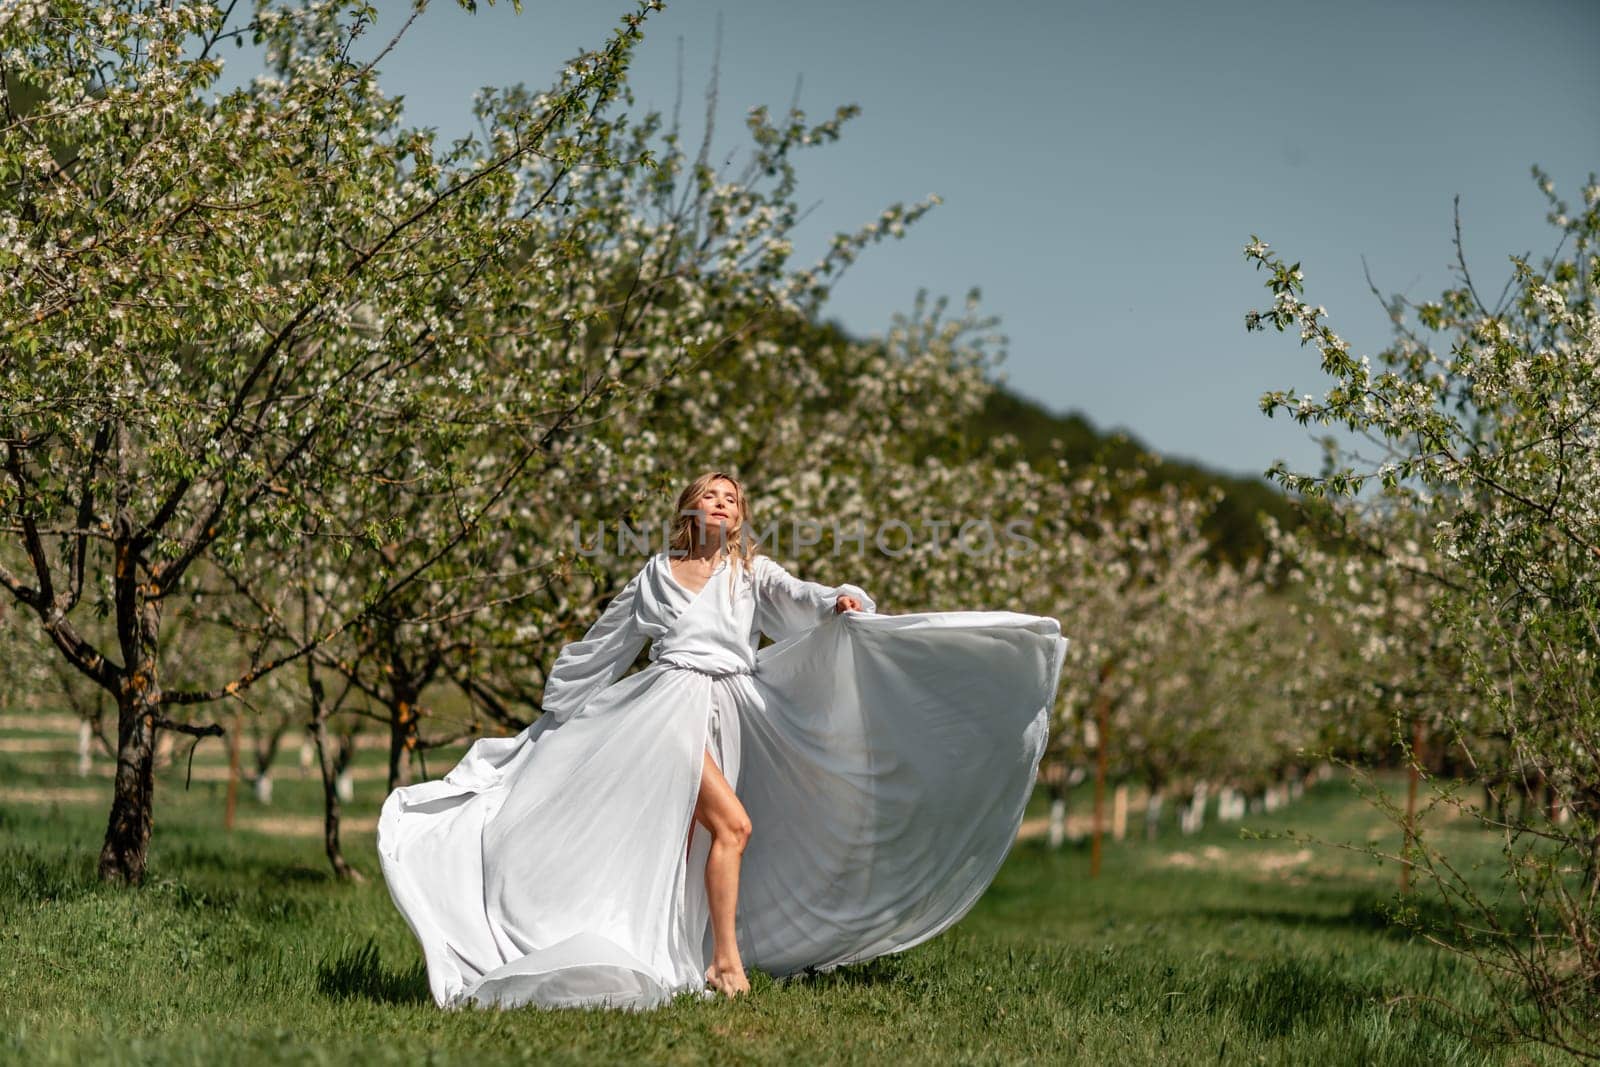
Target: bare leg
(719, 811)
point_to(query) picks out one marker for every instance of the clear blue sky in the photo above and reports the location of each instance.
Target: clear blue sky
(1103, 164)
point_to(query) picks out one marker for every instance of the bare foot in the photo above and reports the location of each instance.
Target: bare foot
(728, 979)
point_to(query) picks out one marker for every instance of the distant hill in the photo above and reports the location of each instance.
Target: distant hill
(1234, 526)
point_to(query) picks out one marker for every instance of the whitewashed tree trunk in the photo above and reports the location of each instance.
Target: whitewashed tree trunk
(1152, 816)
(346, 785)
(308, 756)
(85, 752)
(1193, 818)
(1230, 804)
(1058, 822)
(263, 788)
(1275, 797)
(1119, 813)
(165, 740)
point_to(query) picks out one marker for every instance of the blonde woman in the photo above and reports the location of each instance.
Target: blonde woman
(845, 792)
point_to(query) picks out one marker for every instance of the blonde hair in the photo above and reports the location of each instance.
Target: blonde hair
(740, 549)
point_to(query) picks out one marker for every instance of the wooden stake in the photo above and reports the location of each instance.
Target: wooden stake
(1411, 802)
(1102, 715)
(233, 774)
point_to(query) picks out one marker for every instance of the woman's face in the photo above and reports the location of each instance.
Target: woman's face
(719, 511)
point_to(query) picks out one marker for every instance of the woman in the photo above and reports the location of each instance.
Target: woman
(846, 792)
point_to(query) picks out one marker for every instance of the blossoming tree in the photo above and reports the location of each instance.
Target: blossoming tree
(236, 319)
(1485, 417)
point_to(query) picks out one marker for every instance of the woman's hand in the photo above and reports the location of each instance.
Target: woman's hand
(846, 603)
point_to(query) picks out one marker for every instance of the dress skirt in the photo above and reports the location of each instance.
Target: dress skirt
(884, 760)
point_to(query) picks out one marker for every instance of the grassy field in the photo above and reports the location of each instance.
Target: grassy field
(1206, 949)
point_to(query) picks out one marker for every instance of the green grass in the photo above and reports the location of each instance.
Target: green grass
(240, 948)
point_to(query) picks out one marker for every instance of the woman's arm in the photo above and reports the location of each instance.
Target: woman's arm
(786, 605)
(583, 668)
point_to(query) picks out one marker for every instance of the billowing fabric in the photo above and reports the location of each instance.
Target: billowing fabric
(884, 760)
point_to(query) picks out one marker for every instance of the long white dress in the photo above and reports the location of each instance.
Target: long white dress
(884, 761)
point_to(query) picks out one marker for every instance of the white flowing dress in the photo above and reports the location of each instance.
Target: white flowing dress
(884, 760)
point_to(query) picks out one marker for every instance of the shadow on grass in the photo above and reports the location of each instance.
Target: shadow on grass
(299, 873)
(1287, 994)
(36, 874)
(359, 972)
(1397, 918)
(883, 971)
(1362, 915)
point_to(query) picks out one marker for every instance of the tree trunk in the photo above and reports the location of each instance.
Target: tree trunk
(330, 766)
(85, 748)
(127, 841)
(1152, 813)
(1058, 817)
(266, 752)
(1055, 781)
(402, 735)
(122, 856)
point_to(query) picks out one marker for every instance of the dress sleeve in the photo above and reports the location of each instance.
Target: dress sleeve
(786, 605)
(583, 668)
